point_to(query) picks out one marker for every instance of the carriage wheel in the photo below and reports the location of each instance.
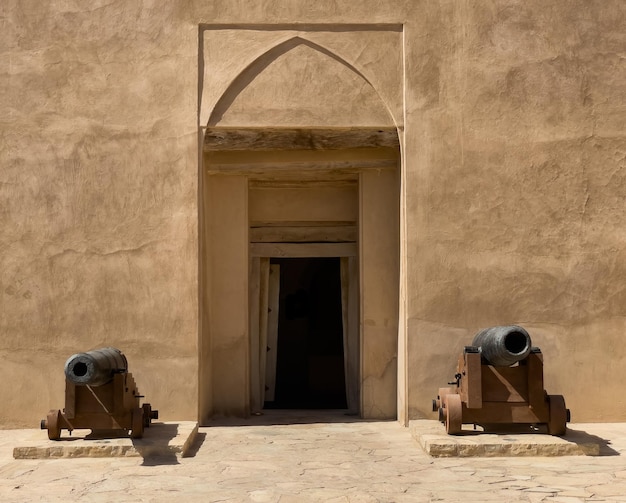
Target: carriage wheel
(454, 412)
(441, 393)
(147, 414)
(53, 421)
(557, 423)
(137, 423)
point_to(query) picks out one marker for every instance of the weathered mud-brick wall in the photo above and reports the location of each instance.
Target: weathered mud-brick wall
(97, 199)
(512, 204)
(516, 183)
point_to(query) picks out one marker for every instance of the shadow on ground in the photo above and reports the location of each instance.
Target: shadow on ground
(154, 447)
(582, 438)
(292, 416)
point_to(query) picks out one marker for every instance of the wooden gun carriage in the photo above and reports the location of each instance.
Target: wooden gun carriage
(100, 394)
(499, 386)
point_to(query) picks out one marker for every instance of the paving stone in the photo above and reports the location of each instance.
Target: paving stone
(567, 499)
(616, 488)
(571, 480)
(575, 493)
(542, 489)
(538, 497)
(465, 496)
(354, 462)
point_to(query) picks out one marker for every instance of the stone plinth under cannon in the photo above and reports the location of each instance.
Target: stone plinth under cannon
(498, 385)
(101, 395)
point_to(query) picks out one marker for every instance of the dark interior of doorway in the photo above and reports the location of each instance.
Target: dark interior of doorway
(310, 359)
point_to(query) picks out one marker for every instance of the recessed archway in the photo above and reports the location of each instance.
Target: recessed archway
(302, 181)
(300, 83)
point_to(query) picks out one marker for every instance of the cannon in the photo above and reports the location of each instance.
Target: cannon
(101, 395)
(498, 385)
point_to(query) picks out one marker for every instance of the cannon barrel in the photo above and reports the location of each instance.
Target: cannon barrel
(503, 346)
(95, 368)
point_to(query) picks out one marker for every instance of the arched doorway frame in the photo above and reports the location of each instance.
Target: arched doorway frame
(215, 167)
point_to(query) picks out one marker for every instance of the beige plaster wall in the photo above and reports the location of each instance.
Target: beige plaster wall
(304, 204)
(318, 75)
(516, 186)
(224, 369)
(98, 214)
(513, 180)
(379, 263)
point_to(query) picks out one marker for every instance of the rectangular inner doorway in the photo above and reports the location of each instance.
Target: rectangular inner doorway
(309, 368)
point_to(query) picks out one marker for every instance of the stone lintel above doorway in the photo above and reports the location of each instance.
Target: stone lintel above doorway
(306, 163)
(234, 139)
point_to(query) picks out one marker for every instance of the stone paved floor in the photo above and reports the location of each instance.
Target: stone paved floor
(339, 460)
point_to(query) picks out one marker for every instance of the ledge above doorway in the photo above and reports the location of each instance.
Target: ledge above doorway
(232, 139)
(262, 152)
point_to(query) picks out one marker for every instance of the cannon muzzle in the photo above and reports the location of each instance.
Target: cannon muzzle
(503, 346)
(95, 368)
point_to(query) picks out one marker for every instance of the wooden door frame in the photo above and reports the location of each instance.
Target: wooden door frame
(224, 338)
(260, 256)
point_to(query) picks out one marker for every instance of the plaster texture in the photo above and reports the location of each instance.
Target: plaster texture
(515, 192)
(97, 199)
(285, 75)
(512, 183)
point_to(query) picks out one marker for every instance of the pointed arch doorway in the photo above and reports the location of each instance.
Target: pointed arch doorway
(301, 161)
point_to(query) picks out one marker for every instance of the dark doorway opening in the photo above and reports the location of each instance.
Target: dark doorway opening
(310, 354)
